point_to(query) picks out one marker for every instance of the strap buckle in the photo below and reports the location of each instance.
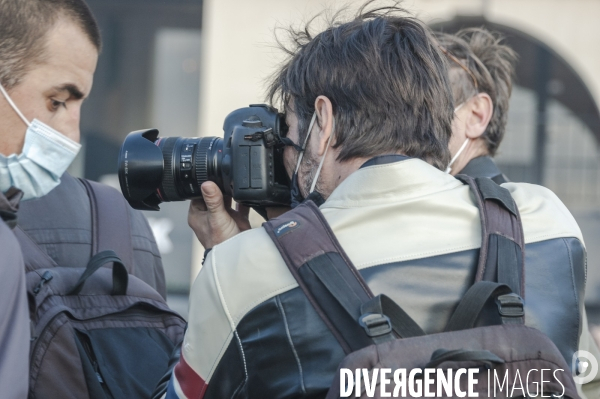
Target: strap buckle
(510, 305)
(375, 324)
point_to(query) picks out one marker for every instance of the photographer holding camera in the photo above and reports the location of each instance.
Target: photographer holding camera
(369, 110)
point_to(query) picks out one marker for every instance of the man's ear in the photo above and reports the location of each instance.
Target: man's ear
(481, 110)
(324, 126)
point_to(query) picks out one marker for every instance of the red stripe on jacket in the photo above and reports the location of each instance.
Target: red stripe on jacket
(192, 385)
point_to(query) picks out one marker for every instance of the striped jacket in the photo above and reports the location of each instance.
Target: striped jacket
(414, 234)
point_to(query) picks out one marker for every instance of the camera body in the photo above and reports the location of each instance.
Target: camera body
(254, 156)
(247, 163)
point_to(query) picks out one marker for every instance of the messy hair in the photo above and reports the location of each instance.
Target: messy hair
(24, 25)
(385, 76)
(490, 65)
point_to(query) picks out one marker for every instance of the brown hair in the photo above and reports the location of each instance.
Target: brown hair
(24, 25)
(491, 64)
(386, 78)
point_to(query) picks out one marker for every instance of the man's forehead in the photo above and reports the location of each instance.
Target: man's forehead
(70, 58)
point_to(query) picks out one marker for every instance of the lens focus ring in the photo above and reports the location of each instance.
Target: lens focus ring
(168, 180)
(201, 159)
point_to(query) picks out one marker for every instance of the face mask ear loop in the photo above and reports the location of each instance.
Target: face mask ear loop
(12, 104)
(314, 183)
(455, 157)
(460, 106)
(310, 126)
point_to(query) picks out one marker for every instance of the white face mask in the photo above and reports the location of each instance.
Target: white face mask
(462, 147)
(297, 196)
(46, 156)
(310, 126)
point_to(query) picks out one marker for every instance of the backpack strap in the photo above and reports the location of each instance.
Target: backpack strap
(502, 253)
(384, 308)
(34, 257)
(110, 222)
(110, 229)
(510, 305)
(332, 284)
(340, 295)
(119, 274)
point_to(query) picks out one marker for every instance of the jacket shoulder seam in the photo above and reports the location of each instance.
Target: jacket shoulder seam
(262, 299)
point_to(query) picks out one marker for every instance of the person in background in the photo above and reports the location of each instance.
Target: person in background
(48, 55)
(480, 68)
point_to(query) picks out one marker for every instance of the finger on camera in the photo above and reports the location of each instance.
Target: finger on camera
(227, 201)
(242, 209)
(198, 204)
(195, 214)
(213, 197)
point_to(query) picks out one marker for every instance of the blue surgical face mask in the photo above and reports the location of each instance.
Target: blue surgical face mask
(46, 156)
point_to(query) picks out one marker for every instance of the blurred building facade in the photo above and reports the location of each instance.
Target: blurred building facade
(183, 65)
(147, 76)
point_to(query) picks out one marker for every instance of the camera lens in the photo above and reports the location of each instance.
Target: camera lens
(154, 170)
(188, 162)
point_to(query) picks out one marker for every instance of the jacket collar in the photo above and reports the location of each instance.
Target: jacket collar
(384, 159)
(397, 181)
(484, 167)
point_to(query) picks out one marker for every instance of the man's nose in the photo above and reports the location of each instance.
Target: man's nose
(71, 123)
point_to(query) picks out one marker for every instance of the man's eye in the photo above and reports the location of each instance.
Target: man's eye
(56, 104)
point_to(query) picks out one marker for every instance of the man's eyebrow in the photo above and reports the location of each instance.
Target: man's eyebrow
(73, 90)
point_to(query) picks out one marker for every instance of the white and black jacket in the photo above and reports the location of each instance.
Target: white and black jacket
(414, 234)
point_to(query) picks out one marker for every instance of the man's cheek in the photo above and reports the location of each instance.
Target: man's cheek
(288, 161)
(458, 136)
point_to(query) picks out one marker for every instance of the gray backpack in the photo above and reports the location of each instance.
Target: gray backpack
(96, 332)
(378, 335)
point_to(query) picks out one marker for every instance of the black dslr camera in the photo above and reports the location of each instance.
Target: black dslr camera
(247, 163)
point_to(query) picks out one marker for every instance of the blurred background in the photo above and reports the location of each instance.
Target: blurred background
(182, 65)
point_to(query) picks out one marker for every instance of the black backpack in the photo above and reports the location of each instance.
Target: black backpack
(377, 334)
(97, 332)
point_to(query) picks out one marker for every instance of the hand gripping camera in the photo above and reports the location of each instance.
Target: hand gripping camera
(247, 163)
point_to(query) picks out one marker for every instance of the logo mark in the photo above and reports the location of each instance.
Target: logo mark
(286, 228)
(585, 367)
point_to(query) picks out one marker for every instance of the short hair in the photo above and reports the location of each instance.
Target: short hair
(386, 78)
(491, 64)
(24, 25)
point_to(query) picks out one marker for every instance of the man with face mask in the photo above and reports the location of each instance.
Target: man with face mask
(369, 110)
(481, 68)
(48, 56)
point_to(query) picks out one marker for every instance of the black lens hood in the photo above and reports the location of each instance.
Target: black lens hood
(141, 167)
